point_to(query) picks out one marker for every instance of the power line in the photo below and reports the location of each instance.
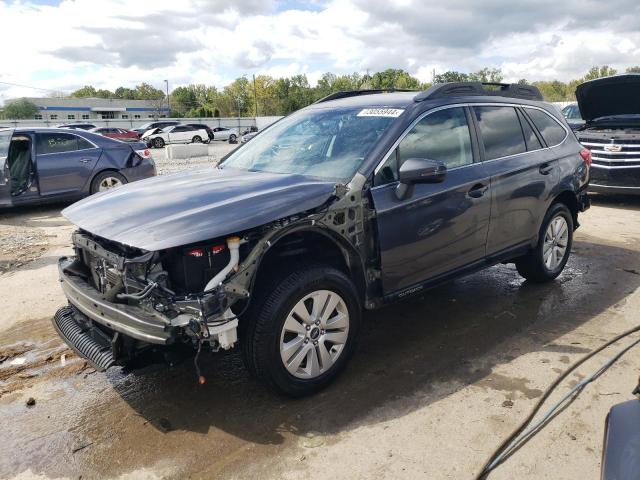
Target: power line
(32, 87)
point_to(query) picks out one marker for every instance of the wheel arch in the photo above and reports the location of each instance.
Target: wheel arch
(568, 198)
(299, 245)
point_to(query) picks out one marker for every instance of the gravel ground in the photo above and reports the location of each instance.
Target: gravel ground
(434, 386)
(217, 150)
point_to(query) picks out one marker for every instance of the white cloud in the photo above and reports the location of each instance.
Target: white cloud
(120, 42)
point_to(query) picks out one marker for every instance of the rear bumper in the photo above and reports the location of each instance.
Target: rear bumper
(129, 320)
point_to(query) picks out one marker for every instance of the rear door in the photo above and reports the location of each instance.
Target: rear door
(522, 172)
(440, 227)
(5, 175)
(64, 162)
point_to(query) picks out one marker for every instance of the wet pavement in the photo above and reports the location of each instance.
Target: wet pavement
(484, 338)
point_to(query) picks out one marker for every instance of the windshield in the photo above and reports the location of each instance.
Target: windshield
(324, 143)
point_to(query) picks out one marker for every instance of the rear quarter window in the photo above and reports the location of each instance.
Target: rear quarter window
(552, 132)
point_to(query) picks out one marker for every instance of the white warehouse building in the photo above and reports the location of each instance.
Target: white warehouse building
(78, 109)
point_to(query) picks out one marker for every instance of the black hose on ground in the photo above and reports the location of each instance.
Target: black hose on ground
(490, 464)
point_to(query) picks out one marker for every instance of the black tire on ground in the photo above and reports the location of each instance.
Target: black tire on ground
(232, 138)
(532, 266)
(196, 139)
(102, 176)
(261, 327)
(158, 142)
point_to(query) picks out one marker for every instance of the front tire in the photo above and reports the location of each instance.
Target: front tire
(158, 142)
(302, 330)
(232, 138)
(547, 260)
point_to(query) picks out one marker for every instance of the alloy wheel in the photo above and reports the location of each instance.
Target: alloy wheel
(314, 334)
(556, 239)
(108, 183)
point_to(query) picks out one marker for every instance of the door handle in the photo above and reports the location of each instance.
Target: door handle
(85, 160)
(545, 169)
(478, 190)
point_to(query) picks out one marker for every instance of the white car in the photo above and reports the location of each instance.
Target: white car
(224, 133)
(158, 138)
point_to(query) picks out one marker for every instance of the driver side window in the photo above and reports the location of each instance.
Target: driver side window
(443, 135)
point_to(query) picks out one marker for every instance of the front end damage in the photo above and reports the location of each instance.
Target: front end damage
(124, 301)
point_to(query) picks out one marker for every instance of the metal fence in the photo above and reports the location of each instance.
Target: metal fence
(239, 123)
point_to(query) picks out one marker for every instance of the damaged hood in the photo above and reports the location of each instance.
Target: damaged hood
(609, 96)
(188, 207)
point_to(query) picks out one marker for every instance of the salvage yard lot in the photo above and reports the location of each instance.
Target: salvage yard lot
(436, 382)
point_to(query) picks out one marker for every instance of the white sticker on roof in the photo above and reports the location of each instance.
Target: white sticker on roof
(380, 112)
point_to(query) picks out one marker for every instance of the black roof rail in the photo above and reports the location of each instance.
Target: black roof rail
(453, 89)
(356, 93)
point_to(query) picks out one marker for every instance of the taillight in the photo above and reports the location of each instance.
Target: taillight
(217, 249)
(195, 252)
(144, 153)
(585, 153)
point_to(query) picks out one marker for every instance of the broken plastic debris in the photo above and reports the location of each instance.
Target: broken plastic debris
(18, 361)
(63, 360)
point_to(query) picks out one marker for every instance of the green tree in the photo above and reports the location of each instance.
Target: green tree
(487, 75)
(599, 72)
(451, 76)
(635, 69)
(20, 109)
(85, 92)
(104, 94)
(125, 93)
(144, 91)
(392, 78)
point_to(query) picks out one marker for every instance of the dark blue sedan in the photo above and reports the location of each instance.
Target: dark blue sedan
(38, 165)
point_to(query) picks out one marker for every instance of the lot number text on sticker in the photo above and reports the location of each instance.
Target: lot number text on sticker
(380, 112)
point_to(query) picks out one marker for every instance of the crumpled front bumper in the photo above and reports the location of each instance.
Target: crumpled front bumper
(128, 320)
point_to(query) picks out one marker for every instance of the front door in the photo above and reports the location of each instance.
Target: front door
(440, 227)
(64, 162)
(180, 134)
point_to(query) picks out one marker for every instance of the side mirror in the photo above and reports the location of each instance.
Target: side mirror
(419, 170)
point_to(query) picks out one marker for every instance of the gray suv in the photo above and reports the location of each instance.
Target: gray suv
(361, 199)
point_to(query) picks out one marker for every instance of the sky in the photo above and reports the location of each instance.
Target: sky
(63, 45)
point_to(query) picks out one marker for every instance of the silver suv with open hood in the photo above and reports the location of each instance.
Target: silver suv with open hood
(611, 109)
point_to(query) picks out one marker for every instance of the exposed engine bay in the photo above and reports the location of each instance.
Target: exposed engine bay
(192, 295)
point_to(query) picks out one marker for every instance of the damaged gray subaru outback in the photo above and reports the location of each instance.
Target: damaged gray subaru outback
(354, 202)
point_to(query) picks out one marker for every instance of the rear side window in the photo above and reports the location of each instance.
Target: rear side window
(529, 135)
(549, 128)
(500, 131)
(84, 144)
(56, 143)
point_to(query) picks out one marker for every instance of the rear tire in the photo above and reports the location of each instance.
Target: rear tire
(158, 142)
(283, 326)
(196, 139)
(547, 260)
(106, 181)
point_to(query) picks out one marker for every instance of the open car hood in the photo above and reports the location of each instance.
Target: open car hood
(188, 207)
(608, 96)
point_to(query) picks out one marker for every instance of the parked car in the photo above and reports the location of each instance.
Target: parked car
(151, 125)
(38, 165)
(177, 134)
(77, 126)
(117, 133)
(356, 201)
(248, 136)
(572, 114)
(202, 126)
(612, 132)
(252, 129)
(226, 134)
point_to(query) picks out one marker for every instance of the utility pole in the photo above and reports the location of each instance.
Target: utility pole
(255, 97)
(168, 104)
